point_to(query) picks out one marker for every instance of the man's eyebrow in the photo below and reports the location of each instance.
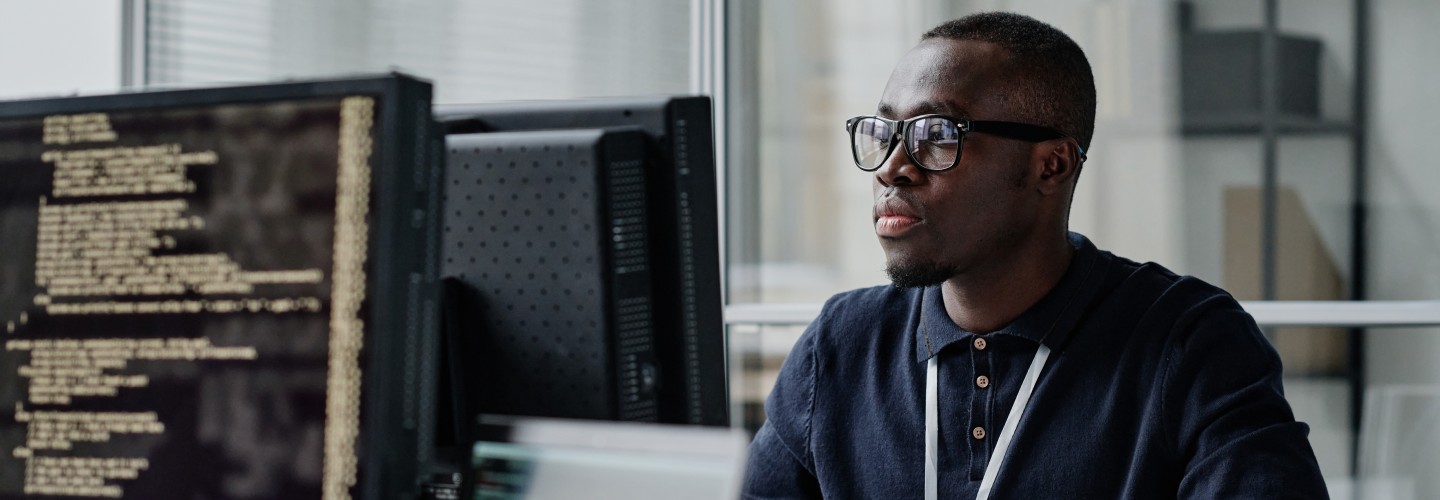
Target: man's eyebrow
(924, 108)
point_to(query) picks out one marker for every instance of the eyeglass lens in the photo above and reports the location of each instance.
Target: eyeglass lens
(871, 141)
(932, 142)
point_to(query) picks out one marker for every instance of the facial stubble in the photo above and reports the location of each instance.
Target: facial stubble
(911, 274)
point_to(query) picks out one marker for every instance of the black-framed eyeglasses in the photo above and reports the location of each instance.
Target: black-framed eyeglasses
(931, 141)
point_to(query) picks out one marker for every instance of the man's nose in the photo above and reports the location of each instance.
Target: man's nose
(898, 170)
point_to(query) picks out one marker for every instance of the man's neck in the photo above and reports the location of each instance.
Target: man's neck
(989, 298)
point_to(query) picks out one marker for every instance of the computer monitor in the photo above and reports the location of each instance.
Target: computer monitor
(550, 310)
(543, 459)
(219, 293)
(683, 230)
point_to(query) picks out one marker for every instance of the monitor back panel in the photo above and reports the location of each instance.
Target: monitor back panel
(690, 338)
(547, 233)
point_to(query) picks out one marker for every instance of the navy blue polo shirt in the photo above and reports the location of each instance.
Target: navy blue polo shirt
(1158, 386)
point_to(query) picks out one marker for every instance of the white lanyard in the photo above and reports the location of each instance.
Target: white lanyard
(1002, 443)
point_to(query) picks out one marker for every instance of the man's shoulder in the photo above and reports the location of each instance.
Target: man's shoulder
(871, 304)
(865, 318)
(1171, 289)
(1126, 287)
(1154, 297)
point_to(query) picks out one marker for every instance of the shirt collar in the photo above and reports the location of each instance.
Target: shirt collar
(1050, 321)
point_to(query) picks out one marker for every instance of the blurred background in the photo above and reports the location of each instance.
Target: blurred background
(1277, 148)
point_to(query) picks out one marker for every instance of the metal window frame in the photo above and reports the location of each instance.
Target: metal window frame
(707, 77)
(134, 51)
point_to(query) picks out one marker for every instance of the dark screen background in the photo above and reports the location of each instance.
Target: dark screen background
(234, 429)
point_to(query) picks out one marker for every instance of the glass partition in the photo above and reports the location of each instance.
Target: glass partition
(1319, 194)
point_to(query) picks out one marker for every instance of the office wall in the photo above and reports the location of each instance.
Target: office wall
(59, 47)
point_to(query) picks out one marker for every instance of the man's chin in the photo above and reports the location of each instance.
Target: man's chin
(915, 275)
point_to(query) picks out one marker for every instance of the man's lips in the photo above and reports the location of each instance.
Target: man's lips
(894, 225)
(894, 217)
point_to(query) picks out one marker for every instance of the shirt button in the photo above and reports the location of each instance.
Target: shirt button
(978, 432)
(980, 344)
(982, 381)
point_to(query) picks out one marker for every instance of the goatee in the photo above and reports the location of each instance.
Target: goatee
(917, 275)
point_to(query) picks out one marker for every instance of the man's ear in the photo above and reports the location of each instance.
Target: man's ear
(1059, 164)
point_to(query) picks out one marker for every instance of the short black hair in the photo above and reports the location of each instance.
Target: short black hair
(1052, 78)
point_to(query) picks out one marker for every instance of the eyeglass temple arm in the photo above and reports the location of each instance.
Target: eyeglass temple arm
(1022, 131)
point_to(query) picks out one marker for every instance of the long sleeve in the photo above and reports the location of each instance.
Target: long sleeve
(781, 464)
(1232, 424)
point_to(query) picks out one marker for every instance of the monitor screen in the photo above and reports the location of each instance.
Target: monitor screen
(542, 459)
(205, 293)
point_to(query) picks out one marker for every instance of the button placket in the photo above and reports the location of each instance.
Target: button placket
(980, 407)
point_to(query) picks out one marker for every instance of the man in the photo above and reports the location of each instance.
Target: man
(1013, 359)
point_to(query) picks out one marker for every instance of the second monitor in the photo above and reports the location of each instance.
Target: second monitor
(682, 236)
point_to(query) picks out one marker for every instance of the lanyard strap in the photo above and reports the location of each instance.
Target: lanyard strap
(932, 430)
(1002, 443)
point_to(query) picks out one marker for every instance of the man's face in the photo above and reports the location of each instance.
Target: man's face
(937, 225)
